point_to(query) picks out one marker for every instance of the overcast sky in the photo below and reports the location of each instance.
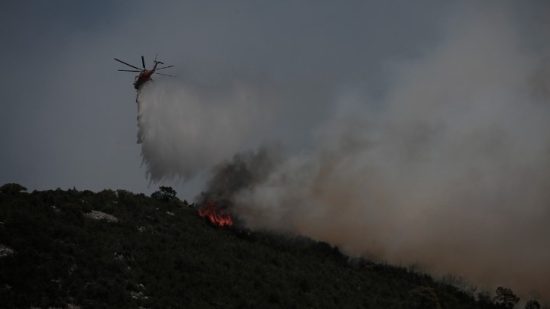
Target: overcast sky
(68, 118)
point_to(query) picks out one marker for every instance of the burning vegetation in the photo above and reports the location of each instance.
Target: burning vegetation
(228, 179)
(216, 215)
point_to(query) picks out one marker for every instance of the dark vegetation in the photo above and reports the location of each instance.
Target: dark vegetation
(160, 254)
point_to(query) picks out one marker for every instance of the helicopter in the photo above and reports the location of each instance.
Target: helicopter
(144, 74)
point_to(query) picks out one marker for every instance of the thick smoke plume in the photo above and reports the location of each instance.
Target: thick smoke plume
(450, 170)
(243, 171)
(185, 130)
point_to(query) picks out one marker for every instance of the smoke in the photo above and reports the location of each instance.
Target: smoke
(449, 170)
(242, 172)
(185, 130)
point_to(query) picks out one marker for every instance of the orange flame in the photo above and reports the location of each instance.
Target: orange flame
(215, 216)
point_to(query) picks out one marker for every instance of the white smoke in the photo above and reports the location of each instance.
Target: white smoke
(450, 170)
(185, 130)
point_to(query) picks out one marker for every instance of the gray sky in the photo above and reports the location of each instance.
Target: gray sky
(68, 118)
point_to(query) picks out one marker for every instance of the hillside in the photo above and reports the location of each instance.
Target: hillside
(59, 249)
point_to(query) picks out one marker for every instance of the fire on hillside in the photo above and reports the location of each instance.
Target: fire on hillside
(215, 214)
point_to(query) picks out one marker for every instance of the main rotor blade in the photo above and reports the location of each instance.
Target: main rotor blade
(166, 67)
(127, 64)
(166, 74)
(129, 70)
(143, 62)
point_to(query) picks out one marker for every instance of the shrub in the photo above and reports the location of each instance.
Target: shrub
(532, 304)
(423, 297)
(505, 298)
(12, 188)
(164, 194)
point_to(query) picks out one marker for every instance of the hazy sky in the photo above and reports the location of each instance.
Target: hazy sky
(68, 118)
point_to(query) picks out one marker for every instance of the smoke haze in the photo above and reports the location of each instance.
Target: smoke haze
(448, 169)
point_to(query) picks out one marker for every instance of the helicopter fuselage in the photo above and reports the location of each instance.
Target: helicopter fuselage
(142, 78)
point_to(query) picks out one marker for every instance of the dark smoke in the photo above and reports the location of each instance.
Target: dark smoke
(242, 172)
